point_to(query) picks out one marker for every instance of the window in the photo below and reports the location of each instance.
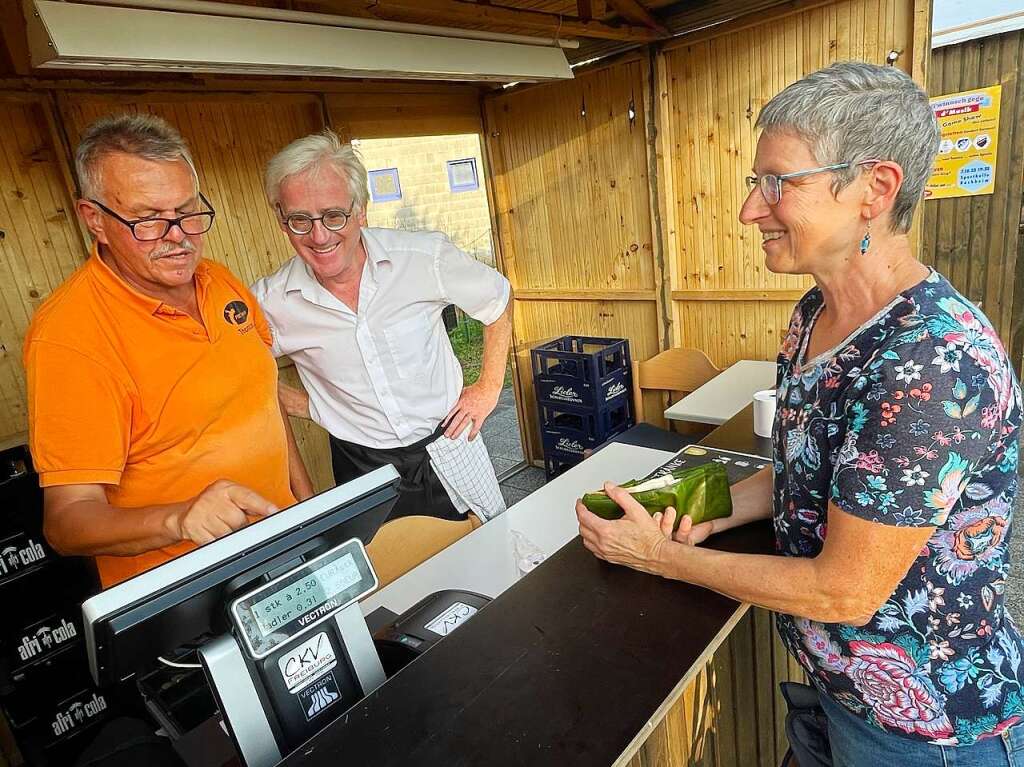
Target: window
(462, 176)
(384, 185)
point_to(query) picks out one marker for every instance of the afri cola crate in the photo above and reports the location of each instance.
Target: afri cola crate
(582, 372)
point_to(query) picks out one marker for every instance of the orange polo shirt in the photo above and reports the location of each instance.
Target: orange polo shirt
(128, 392)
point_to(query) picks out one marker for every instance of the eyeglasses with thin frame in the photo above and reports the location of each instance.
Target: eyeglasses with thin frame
(150, 229)
(771, 183)
(335, 220)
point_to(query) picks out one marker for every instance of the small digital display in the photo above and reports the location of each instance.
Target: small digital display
(311, 592)
(292, 604)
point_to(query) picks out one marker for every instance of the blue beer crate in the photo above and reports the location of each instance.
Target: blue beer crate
(582, 372)
(565, 434)
(559, 426)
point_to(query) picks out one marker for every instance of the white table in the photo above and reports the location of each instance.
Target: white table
(726, 394)
(482, 561)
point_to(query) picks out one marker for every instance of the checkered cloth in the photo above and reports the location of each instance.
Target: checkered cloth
(465, 470)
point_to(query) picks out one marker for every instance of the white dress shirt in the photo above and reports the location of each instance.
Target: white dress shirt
(384, 376)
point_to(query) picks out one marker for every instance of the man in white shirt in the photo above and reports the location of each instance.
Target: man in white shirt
(358, 311)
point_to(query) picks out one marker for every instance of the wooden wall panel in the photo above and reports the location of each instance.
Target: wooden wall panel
(397, 110)
(732, 330)
(711, 88)
(573, 207)
(731, 713)
(232, 137)
(40, 244)
(975, 241)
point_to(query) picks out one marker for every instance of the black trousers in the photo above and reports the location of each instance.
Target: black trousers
(420, 491)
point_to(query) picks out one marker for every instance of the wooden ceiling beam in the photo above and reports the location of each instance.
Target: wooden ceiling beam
(456, 12)
(13, 39)
(633, 11)
(584, 10)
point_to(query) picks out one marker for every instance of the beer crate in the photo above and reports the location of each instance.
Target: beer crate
(569, 431)
(582, 372)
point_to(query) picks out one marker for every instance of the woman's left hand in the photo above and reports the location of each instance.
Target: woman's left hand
(636, 540)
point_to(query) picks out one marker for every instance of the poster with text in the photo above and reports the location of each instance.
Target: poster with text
(966, 164)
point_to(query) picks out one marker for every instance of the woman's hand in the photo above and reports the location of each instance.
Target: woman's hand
(692, 534)
(637, 540)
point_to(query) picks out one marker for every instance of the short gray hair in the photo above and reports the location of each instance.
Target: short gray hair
(853, 111)
(314, 152)
(140, 135)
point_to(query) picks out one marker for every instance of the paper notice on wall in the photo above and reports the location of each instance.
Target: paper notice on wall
(966, 163)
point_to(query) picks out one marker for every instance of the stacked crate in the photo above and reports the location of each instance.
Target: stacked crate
(584, 396)
(46, 693)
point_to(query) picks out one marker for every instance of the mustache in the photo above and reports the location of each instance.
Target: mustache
(169, 248)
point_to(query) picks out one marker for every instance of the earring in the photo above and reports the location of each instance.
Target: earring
(865, 243)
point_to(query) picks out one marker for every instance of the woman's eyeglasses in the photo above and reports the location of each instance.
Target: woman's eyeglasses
(771, 183)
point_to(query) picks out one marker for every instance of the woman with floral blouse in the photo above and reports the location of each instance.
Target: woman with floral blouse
(895, 447)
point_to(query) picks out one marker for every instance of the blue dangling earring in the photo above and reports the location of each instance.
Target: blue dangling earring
(865, 242)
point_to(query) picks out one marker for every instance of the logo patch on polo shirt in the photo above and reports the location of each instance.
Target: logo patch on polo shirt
(236, 312)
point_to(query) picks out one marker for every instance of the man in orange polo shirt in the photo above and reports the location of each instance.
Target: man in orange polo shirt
(153, 410)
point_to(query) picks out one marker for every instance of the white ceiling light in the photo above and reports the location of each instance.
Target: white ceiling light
(77, 36)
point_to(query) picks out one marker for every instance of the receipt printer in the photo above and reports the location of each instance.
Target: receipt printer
(423, 625)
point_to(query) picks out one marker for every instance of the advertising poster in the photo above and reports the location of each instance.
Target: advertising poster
(966, 164)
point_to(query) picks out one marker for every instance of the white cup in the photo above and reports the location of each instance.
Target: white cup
(764, 412)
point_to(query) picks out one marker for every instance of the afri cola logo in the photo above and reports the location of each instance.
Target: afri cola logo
(78, 713)
(17, 557)
(45, 639)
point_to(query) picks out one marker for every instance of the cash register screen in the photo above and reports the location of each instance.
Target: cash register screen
(292, 604)
(304, 596)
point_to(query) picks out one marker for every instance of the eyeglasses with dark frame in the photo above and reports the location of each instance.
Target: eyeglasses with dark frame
(771, 183)
(151, 229)
(334, 220)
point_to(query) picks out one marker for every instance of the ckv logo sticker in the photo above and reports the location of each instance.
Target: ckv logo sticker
(307, 662)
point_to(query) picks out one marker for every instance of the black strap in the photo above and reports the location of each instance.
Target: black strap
(806, 726)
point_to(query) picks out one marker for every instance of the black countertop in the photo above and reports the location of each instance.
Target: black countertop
(564, 668)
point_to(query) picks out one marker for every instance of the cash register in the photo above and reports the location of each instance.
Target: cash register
(272, 612)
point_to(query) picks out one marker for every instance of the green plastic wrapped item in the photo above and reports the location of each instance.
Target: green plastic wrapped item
(701, 492)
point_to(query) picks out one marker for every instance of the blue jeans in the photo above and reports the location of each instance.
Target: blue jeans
(855, 743)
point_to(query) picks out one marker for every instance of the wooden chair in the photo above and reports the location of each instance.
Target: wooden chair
(403, 543)
(674, 370)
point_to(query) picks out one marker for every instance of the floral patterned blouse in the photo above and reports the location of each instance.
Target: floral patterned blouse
(914, 420)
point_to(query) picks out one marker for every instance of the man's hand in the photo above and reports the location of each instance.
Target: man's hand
(475, 403)
(221, 508)
(294, 401)
(636, 540)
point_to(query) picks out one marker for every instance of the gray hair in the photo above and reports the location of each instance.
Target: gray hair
(140, 135)
(852, 112)
(314, 152)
